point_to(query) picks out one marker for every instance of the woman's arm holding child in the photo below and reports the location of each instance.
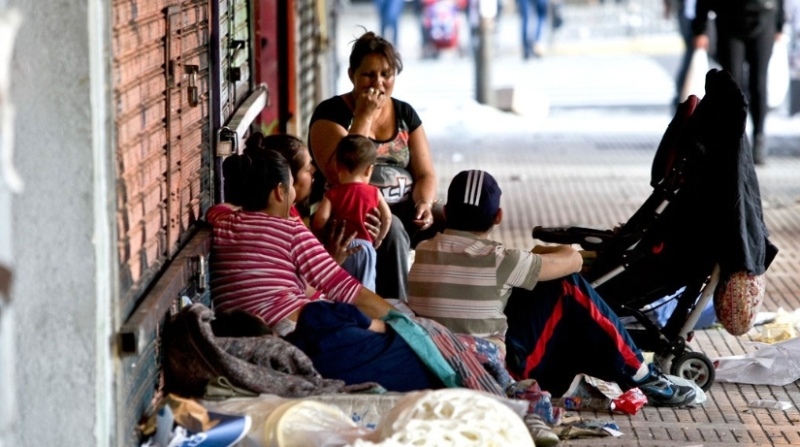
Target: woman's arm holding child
(321, 217)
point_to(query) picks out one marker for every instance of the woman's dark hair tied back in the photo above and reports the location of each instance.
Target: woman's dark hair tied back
(235, 169)
(253, 143)
(251, 177)
(371, 43)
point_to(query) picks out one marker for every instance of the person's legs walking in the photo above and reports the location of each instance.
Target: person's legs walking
(427, 48)
(541, 20)
(525, 14)
(395, 10)
(685, 28)
(730, 55)
(383, 6)
(757, 53)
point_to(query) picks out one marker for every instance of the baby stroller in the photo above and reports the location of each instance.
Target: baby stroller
(440, 26)
(702, 222)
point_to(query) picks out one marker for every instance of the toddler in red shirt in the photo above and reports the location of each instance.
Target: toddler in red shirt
(350, 201)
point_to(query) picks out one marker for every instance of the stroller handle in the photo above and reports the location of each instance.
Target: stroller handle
(588, 238)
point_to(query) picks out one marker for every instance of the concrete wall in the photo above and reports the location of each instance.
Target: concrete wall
(9, 23)
(61, 224)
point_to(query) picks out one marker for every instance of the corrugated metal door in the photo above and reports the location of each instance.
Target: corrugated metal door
(188, 128)
(163, 159)
(308, 62)
(313, 60)
(160, 75)
(307, 32)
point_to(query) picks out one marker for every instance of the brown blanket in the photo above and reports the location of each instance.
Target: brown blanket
(193, 354)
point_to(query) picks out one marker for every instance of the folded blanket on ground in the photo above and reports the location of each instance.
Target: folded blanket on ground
(193, 355)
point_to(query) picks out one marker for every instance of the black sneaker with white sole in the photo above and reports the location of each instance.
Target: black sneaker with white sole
(662, 392)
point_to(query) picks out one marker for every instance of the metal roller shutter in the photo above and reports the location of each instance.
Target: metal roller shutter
(307, 32)
(161, 92)
(163, 168)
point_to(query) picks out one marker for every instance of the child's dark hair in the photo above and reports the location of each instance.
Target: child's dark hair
(355, 152)
(251, 177)
(371, 43)
(467, 218)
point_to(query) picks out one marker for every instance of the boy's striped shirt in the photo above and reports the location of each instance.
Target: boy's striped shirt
(464, 282)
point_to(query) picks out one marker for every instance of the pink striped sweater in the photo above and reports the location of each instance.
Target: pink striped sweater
(262, 264)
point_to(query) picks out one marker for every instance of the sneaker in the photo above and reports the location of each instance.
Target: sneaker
(661, 392)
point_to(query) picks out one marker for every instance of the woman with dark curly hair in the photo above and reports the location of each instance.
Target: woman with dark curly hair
(404, 170)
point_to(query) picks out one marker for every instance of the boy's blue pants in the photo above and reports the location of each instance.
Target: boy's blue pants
(562, 328)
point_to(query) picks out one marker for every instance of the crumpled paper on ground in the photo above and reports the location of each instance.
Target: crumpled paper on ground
(772, 364)
(586, 428)
(772, 327)
(187, 413)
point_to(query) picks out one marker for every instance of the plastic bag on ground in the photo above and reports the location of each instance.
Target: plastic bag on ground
(306, 422)
(456, 417)
(775, 364)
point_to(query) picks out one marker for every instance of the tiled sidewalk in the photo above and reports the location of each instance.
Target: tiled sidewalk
(599, 178)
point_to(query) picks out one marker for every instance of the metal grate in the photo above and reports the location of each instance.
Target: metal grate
(235, 55)
(308, 62)
(161, 93)
(163, 179)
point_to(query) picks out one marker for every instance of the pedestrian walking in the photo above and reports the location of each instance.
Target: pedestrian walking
(793, 17)
(532, 30)
(389, 12)
(746, 32)
(684, 11)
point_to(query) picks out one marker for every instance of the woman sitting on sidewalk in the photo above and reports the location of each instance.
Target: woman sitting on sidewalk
(269, 264)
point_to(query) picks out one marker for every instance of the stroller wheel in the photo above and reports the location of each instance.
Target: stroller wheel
(696, 367)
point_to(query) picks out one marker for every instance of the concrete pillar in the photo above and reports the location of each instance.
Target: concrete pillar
(9, 184)
(63, 223)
